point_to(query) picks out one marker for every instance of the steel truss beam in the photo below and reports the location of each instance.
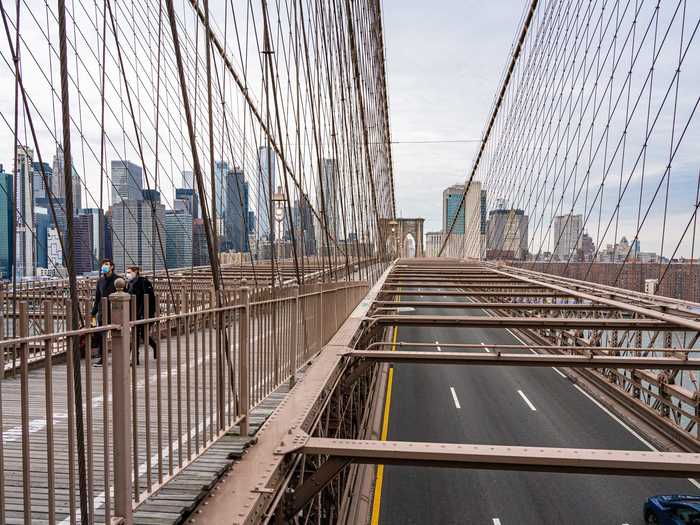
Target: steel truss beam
(497, 306)
(690, 324)
(499, 457)
(600, 350)
(539, 295)
(528, 322)
(541, 360)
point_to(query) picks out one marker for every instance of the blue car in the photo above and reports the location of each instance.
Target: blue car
(679, 509)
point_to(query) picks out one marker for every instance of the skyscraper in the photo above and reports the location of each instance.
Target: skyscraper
(153, 241)
(24, 244)
(58, 186)
(136, 225)
(200, 254)
(42, 223)
(451, 198)
(178, 233)
(237, 208)
(6, 219)
(127, 181)
(39, 189)
(57, 182)
(83, 243)
(221, 170)
(97, 229)
(507, 234)
(567, 236)
(187, 199)
(187, 179)
(303, 223)
(326, 203)
(266, 181)
(54, 254)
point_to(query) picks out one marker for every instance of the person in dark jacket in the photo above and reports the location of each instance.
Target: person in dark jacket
(103, 288)
(140, 287)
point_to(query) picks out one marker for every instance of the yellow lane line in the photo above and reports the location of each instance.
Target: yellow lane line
(377, 499)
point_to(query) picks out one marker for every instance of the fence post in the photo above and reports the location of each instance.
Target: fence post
(322, 331)
(243, 357)
(295, 336)
(121, 401)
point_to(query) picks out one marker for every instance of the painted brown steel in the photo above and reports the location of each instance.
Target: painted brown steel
(496, 306)
(528, 322)
(503, 359)
(570, 348)
(492, 119)
(121, 405)
(499, 457)
(647, 312)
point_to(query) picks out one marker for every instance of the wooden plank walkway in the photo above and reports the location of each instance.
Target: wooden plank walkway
(181, 415)
(173, 504)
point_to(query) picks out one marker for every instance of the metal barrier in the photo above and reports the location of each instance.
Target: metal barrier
(143, 423)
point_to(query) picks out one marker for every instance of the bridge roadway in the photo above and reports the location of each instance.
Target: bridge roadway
(507, 406)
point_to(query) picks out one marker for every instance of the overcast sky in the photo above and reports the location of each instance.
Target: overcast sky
(443, 69)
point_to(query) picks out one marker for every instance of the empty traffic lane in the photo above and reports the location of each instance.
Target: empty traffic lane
(503, 405)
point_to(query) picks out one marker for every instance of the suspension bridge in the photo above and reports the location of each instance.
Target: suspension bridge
(317, 357)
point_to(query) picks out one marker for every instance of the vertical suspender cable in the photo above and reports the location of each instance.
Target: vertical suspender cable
(494, 114)
(72, 281)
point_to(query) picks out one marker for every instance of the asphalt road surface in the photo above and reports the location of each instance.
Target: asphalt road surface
(505, 406)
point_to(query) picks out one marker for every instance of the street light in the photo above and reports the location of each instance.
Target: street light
(393, 225)
(278, 198)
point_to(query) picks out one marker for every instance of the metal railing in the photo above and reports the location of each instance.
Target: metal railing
(144, 423)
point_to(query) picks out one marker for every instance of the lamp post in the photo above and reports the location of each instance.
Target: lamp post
(278, 200)
(393, 225)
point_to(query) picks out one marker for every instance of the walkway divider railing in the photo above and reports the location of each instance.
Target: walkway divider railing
(147, 414)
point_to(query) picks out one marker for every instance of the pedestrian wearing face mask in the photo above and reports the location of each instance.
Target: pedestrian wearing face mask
(103, 288)
(140, 287)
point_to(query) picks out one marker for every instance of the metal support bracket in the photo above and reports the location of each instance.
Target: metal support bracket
(293, 442)
(312, 485)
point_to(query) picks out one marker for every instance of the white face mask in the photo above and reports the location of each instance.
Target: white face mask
(130, 275)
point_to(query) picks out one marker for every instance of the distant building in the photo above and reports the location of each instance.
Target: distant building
(97, 234)
(466, 237)
(303, 224)
(108, 235)
(6, 224)
(83, 243)
(221, 171)
(187, 179)
(636, 248)
(137, 226)
(39, 188)
(58, 180)
(265, 181)
(433, 241)
(53, 249)
(127, 181)
(507, 234)
(237, 211)
(326, 204)
(587, 247)
(451, 197)
(472, 222)
(200, 253)
(42, 223)
(567, 237)
(178, 234)
(188, 200)
(24, 243)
